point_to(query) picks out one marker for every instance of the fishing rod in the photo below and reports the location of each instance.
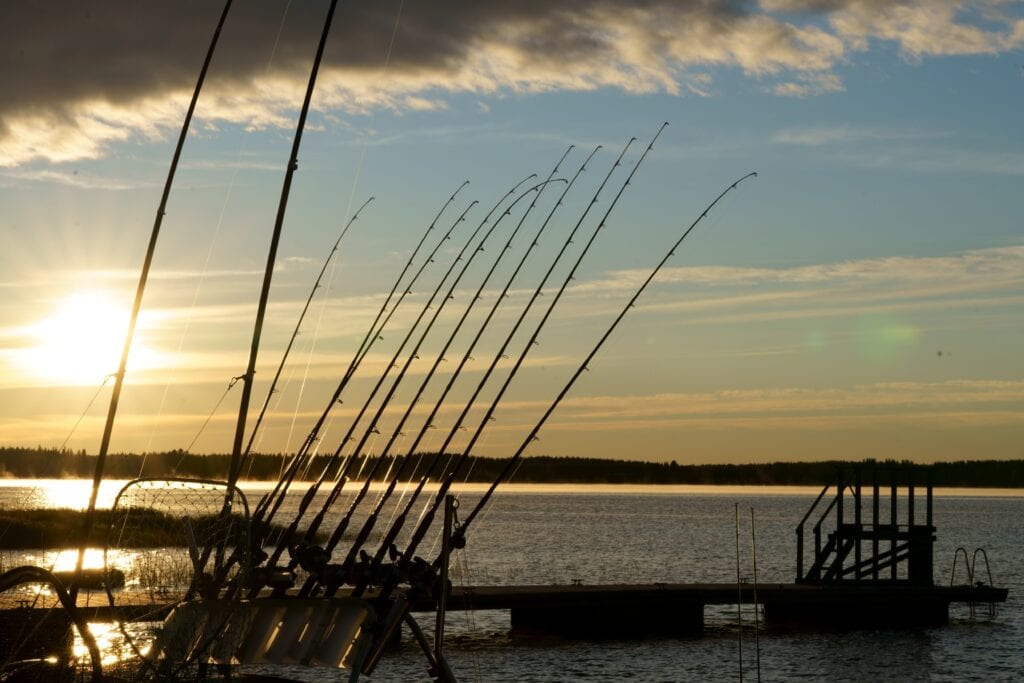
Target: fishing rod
(370, 522)
(234, 468)
(307, 499)
(460, 533)
(298, 326)
(115, 396)
(399, 522)
(428, 515)
(314, 488)
(413, 355)
(393, 481)
(372, 335)
(343, 472)
(265, 516)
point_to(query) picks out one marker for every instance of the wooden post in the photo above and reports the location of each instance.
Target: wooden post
(837, 566)
(859, 527)
(893, 522)
(910, 499)
(446, 549)
(874, 523)
(800, 552)
(928, 481)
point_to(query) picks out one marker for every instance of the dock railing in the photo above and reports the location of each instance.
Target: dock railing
(861, 549)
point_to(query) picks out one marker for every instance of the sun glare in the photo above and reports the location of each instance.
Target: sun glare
(80, 341)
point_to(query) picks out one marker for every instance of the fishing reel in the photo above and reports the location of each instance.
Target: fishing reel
(312, 558)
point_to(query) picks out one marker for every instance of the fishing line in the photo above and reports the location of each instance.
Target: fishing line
(81, 417)
(330, 281)
(487, 510)
(231, 385)
(234, 468)
(189, 318)
(329, 261)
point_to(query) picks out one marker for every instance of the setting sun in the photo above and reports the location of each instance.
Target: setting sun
(80, 341)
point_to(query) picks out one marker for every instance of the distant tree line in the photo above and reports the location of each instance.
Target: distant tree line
(50, 463)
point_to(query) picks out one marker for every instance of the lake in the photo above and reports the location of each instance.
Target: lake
(638, 534)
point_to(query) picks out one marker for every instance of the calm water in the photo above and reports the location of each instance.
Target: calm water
(556, 535)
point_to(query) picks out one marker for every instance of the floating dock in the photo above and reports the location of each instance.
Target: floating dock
(668, 609)
(679, 608)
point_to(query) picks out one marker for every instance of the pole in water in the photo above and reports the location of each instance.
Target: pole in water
(757, 624)
(739, 594)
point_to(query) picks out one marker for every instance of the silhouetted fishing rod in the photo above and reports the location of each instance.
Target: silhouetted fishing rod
(461, 532)
(372, 335)
(393, 481)
(234, 469)
(307, 499)
(342, 473)
(399, 522)
(413, 355)
(266, 514)
(298, 327)
(449, 480)
(115, 395)
(467, 356)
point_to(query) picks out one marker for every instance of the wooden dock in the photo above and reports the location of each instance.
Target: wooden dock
(665, 608)
(679, 608)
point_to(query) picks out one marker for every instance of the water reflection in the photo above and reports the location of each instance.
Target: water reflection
(117, 643)
(70, 494)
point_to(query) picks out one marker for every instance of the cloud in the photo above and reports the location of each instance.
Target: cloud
(996, 266)
(896, 148)
(937, 160)
(74, 179)
(80, 77)
(977, 279)
(828, 135)
(809, 84)
(920, 28)
(965, 402)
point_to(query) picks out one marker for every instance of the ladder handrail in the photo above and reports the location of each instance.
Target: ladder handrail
(824, 515)
(817, 500)
(974, 560)
(967, 566)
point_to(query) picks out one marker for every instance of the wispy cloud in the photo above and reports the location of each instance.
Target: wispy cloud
(74, 179)
(998, 266)
(964, 402)
(841, 134)
(938, 160)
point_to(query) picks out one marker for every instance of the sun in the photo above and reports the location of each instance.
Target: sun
(80, 341)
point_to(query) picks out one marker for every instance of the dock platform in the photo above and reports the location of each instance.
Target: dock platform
(664, 608)
(679, 608)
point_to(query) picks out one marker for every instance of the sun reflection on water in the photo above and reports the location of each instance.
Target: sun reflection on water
(69, 494)
(112, 643)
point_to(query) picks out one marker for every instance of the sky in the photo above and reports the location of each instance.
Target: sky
(861, 298)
